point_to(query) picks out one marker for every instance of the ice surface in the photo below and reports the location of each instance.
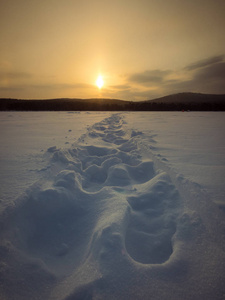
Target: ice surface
(115, 214)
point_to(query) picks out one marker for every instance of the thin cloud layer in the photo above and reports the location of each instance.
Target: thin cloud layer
(149, 76)
(205, 62)
(216, 71)
(120, 87)
(209, 78)
(14, 75)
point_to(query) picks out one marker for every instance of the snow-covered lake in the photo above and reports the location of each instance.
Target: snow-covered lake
(192, 143)
(102, 205)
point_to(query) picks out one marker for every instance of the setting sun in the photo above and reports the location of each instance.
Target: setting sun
(99, 82)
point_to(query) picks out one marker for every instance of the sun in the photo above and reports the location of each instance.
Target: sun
(99, 82)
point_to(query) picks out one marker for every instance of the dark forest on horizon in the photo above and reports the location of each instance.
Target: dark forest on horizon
(176, 102)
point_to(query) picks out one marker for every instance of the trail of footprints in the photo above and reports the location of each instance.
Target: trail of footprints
(53, 219)
(152, 199)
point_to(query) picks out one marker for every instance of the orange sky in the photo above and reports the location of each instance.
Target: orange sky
(143, 49)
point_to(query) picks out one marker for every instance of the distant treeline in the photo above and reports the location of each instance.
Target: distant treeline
(154, 106)
(177, 102)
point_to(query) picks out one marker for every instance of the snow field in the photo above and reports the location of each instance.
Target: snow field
(24, 139)
(110, 220)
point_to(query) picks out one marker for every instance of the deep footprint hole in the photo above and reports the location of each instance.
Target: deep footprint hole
(149, 248)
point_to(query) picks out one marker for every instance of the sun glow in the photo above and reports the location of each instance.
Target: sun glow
(99, 82)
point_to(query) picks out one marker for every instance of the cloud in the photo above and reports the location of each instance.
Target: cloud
(204, 63)
(11, 89)
(209, 79)
(149, 77)
(120, 87)
(215, 71)
(62, 86)
(15, 75)
(205, 76)
(40, 91)
(50, 87)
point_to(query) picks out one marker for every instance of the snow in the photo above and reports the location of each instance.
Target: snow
(25, 137)
(193, 143)
(108, 205)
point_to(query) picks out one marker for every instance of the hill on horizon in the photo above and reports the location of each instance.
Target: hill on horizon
(180, 101)
(189, 97)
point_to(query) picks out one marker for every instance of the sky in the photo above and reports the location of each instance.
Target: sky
(143, 49)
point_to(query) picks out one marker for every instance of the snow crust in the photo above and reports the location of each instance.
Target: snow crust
(130, 210)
